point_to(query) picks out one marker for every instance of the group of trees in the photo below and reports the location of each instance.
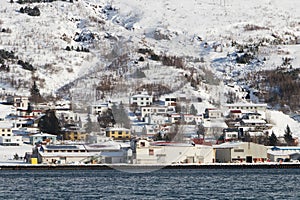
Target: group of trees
(78, 49)
(35, 11)
(279, 87)
(272, 140)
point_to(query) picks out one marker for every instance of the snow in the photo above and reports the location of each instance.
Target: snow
(7, 152)
(192, 27)
(281, 121)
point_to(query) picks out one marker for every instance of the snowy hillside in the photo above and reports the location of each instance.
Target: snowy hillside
(119, 46)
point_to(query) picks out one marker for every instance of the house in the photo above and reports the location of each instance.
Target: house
(20, 102)
(43, 138)
(142, 99)
(7, 137)
(149, 110)
(249, 107)
(98, 109)
(118, 133)
(235, 114)
(212, 113)
(74, 135)
(156, 119)
(170, 101)
(231, 134)
(240, 152)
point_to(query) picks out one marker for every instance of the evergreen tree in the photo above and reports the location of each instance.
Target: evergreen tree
(106, 119)
(201, 131)
(49, 123)
(120, 115)
(29, 108)
(193, 110)
(35, 94)
(273, 139)
(89, 125)
(288, 136)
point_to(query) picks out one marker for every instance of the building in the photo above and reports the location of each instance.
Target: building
(75, 135)
(149, 110)
(20, 102)
(118, 133)
(249, 107)
(172, 153)
(213, 113)
(63, 154)
(240, 152)
(7, 137)
(142, 99)
(98, 109)
(42, 138)
(276, 154)
(170, 101)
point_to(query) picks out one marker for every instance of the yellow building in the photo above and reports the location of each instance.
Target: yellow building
(118, 133)
(75, 136)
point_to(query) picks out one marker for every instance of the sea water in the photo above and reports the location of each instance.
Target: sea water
(160, 184)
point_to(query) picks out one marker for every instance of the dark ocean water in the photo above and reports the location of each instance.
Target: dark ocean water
(161, 184)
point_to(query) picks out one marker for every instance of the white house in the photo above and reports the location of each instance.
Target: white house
(149, 110)
(97, 109)
(20, 102)
(249, 107)
(170, 100)
(7, 138)
(43, 138)
(142, 99)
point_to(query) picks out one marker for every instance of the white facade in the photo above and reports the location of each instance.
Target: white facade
(170, 101)
(20, 102)
(249, 107)
(7, 138)
(149, 110)
(214, 114)
(141, 99)
(174, 154)
(98, 109)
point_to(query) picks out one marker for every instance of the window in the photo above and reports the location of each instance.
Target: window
(151, 152)
(239, 150)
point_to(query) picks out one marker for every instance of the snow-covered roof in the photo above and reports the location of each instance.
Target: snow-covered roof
(42, 135)
(247, 105)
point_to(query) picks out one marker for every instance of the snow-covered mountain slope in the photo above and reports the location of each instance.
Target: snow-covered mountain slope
(190, 29)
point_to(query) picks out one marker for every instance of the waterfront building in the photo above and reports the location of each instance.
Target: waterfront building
(240, 152)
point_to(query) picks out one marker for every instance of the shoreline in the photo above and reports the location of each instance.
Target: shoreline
(145, 167)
